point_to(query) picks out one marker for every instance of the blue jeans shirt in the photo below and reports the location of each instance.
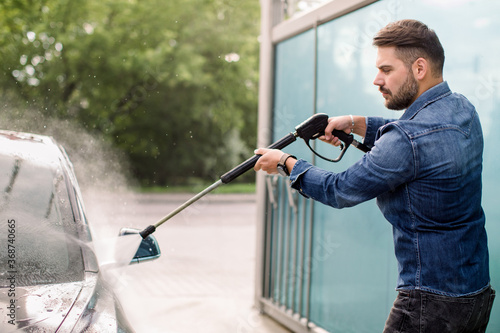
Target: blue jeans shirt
(425, 172)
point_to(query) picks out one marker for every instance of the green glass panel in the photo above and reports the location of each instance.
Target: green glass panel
(354, 269)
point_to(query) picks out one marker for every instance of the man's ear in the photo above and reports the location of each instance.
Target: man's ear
(420, 68)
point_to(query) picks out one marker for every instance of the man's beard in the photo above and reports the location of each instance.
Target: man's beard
(404, 97)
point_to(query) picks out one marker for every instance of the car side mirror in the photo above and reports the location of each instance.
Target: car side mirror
(148, 249)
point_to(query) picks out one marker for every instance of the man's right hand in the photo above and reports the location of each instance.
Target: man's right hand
(343, 123)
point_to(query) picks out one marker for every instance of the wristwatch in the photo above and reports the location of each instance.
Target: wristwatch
(281, 167)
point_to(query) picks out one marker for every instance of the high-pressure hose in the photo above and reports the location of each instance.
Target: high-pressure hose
(312, 128)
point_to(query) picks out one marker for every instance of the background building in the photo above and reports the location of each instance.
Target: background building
(330, 269)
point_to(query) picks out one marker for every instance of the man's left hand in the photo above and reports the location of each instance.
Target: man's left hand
(268, 162)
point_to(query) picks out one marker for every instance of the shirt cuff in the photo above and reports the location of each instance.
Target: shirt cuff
(300, 168)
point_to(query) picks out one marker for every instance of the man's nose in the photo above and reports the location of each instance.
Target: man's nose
(378, 81)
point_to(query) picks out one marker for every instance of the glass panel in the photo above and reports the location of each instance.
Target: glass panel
(354, 271)
(294, 87)
(293, 103)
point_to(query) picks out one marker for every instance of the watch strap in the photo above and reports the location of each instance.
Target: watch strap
(282, 163)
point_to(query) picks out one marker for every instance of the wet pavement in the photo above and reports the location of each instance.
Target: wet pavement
(204, 280)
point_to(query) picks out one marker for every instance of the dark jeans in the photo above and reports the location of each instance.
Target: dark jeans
(417, 311)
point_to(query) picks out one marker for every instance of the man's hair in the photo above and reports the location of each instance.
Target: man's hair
(412, 40)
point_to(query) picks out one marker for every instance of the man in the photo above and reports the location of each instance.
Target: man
(424, 169)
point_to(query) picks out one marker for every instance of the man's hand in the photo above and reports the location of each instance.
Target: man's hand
(268, 162)
(348, 124)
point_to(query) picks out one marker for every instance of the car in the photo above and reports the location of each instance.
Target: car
(50, 278)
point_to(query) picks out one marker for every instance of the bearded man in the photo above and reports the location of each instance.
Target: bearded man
(424, 169)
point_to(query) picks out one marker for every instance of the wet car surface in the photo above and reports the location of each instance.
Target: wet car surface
(49, 275)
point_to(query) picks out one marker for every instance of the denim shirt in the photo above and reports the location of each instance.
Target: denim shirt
(425, 172)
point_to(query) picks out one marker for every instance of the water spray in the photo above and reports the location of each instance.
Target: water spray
(310, 129)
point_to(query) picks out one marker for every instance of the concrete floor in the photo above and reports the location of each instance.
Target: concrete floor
(204, 280)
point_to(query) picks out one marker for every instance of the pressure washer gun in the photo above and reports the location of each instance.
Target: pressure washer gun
(314, 127)
(311, 129)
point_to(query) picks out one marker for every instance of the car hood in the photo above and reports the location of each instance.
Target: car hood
(87, 306)
(44, 307)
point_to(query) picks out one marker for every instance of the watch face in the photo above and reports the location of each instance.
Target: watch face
(282, 171)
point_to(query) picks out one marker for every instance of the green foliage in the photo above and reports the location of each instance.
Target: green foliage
(173, 83)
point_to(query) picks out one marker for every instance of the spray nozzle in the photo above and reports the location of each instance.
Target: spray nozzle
(148, 231)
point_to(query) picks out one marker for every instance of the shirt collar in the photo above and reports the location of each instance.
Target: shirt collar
(430, 95)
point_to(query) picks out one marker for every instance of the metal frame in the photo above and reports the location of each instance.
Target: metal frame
(285, 204)
(322, 14)
(274, 30)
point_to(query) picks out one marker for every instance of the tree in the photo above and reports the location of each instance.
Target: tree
(171, 83)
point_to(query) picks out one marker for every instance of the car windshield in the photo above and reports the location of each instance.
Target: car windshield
(38, 233)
